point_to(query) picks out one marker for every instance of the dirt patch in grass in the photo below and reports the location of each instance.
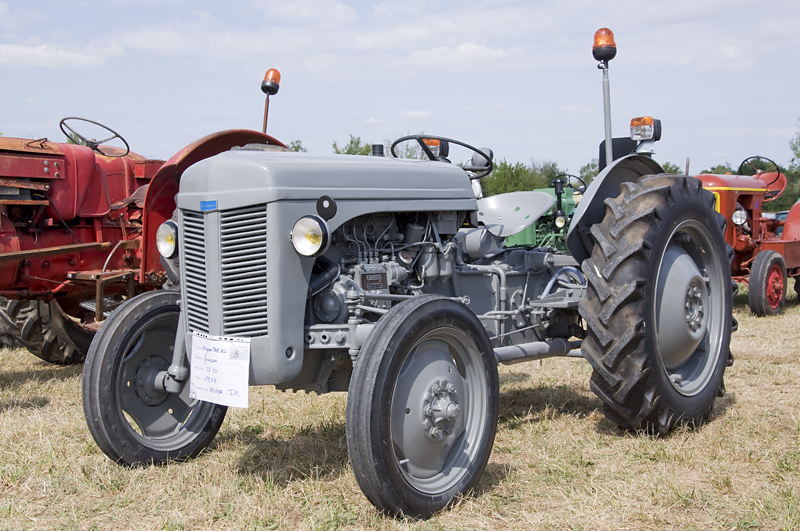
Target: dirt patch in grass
(557, 462)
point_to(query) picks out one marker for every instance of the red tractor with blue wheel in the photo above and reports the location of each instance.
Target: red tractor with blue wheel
(766, 248)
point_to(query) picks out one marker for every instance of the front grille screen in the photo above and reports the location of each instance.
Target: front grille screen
(242, 272)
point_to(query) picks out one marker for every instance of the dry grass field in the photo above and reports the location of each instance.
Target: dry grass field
(557, 463)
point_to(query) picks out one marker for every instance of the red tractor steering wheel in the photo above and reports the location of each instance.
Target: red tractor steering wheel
(92, 143)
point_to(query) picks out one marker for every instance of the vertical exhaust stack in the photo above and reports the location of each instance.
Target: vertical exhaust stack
(270, 86)
(604, 50)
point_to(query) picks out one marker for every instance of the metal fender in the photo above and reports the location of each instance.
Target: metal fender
(159, 204)
(592, 209)
(791, 227)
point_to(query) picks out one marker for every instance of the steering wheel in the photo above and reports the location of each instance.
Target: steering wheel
(93, 144)
(747, 161)
(569, 182)
(479, 171)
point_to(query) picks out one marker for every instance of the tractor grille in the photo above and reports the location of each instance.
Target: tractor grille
(243, 245)
(194, 271)
(238, 284)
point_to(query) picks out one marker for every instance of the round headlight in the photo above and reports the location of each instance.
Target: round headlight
(310, 236)
(167, 239)
(560, 222)
(739, 217)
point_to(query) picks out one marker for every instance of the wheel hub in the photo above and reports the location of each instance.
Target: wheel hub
(775, 287)
(441, 409)
(682, 307)
(694, 308)
(148, 376)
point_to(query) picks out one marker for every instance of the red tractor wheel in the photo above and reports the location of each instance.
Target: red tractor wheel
(767, 293)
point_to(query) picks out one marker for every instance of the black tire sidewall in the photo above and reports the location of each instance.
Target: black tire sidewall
(390, 341)
(759, 274)
(101, 383)
(691, 208)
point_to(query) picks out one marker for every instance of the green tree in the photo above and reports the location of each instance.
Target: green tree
(589, 171)
(720, 169)
(794, 144)
(297, 145)
(508, 177)
(353, 147)
(672, 168)
(410, 149)
(72, 138)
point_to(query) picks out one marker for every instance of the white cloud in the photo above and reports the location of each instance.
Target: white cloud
(294, 11)
(15, 19)
(464, 56)
(54, 56)
(319, 63)
(373, 120)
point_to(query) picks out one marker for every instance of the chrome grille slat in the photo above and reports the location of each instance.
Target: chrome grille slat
(194, 266)
(243, 241)
(242, 271)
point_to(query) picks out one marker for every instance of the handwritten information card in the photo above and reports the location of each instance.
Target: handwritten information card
(220, 369)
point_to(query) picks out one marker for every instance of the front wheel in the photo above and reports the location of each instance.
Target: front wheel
(131, 418)
(766, 294)
(658, 308)
(422, 407)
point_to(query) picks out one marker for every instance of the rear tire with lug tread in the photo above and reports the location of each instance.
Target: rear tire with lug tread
(132, 419)
(422, 407)
(658, 307)
(766, 294)
(45, 330)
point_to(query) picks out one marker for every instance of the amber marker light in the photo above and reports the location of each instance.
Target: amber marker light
(645, 128)
(272, 82)
(270, 86)
(604, 48)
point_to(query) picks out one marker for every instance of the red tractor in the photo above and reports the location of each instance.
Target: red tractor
(766, 249)
(77, 231)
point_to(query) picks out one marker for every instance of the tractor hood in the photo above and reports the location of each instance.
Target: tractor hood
(243, 177)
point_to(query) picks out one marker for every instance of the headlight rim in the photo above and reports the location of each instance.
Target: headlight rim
(324, 234)
(160, 242)
(739, 217)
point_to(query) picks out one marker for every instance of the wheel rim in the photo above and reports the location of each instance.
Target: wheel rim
(437, 410)
(163, 421)
(689, 307)
(775, 286)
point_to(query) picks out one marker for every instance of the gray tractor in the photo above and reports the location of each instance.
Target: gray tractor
(388, 279)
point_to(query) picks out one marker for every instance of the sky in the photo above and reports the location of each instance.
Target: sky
(515, 76)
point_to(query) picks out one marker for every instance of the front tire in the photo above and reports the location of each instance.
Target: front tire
(766, 294)
(422, 407)
(132, 421)
(658, 308)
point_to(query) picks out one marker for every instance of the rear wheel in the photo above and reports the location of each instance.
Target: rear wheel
(422, 407)
(132, 419)
(44, 329)
(767, 291)
(658, 307)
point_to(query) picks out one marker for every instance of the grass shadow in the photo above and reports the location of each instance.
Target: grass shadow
(525, 406)
(33, 402)
(316, 452)
(494, 475)
(508, 378)
(41, 374)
